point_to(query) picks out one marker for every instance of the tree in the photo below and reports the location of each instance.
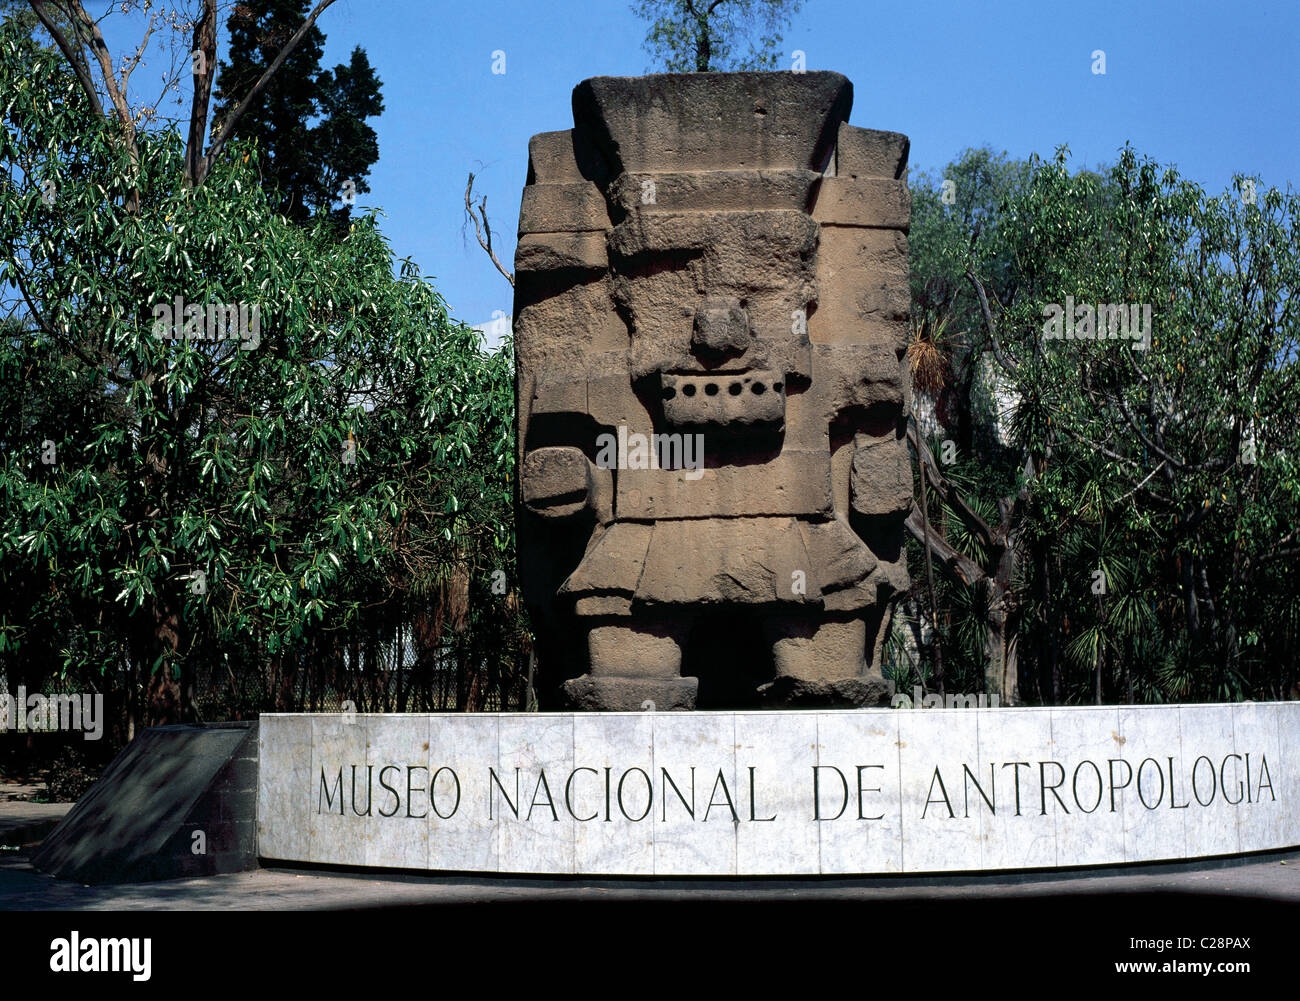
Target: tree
(704, 36)
(306, 163)
(343, 145)
(233, 485)
(1145, 493)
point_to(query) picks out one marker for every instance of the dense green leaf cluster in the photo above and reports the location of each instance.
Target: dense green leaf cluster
(171, 499)
(1156, 555)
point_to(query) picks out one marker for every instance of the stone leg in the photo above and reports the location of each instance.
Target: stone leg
(635, 667)
(821, 661)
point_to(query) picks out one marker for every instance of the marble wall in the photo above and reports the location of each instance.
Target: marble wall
(750, 793)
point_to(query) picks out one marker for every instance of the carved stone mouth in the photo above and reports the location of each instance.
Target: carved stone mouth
(720, 399)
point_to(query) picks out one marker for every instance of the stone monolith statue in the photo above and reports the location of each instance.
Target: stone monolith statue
(711, 315)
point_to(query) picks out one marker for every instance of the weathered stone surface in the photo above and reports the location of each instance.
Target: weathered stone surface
(715, 121)
(718, 401)
(871, 153)
(614, 561)
(793, 483)
(867, 376)
(873, 202)
(712, 295)
(567, 332)
(882, 477)
(801, 693)
(863, 280)
(714, 190)
(556, 481)
(576, 251)
(563, 208)
(721, 328)
(564, 157)
(617, 694)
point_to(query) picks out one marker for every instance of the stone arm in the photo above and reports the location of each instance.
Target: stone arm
(863, 387)
(559, 481)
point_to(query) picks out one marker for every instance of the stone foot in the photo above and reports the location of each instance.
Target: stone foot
(617, 694)
(634, 668)
(821, 662)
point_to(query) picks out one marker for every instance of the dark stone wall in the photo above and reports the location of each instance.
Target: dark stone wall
(138, 822)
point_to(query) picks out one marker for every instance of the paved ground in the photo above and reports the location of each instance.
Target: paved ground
(1274, 877)
(23, 822)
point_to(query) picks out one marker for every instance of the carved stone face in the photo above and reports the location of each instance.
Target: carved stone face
(729, 387)
(703, 262)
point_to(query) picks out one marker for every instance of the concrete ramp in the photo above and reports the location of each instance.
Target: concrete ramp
(178, 801)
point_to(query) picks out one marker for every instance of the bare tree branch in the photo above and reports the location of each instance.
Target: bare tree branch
(100, 49)
(1008, 364)
(483, 241)
(957, 565)
(70, 54)
(950, 497)
(130, 66)
(94, 38)
(228, 126)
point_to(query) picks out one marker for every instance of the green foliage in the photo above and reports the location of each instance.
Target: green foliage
(1156, 550)
(219, 501)
(70, 776)
(700, 36)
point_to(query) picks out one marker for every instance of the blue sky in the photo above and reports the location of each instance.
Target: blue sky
(1210, 87)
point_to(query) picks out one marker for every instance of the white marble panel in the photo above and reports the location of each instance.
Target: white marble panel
(934, 744)
(1288, 767)
(1020, 831)
(1085, 741)
(774, 835)
(1212, 822)
(461, 749)
(699, 789)
(860, 829)
(336, 824)
(1255, 727)
(613, 793)
(695, 833)
(534, 758)
(1154, 825)
(284, 787)
(397, 760)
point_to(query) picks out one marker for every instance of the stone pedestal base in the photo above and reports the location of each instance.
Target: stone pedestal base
(613, 693)
(845, 693)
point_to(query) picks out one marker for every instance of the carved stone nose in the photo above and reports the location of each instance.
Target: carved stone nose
(721, 328)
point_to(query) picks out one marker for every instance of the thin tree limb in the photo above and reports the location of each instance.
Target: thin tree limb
(115, 94)
(1008, 364)
(484, 242)
(134, 61)
(70, 54)
(228, 126)
(957, 565)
